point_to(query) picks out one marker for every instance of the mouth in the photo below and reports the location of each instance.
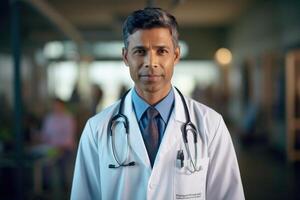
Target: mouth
(150, 77)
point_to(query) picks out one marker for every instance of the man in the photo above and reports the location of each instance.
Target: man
(158, 158)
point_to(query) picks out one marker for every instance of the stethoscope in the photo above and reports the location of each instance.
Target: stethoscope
(188, 127)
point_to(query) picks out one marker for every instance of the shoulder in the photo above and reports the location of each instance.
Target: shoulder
(205, 117)
(194, 107)
(210, 121)
(101, 119)
(96, 126)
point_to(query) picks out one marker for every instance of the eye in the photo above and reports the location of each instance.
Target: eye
(139, 52)
(162, 51)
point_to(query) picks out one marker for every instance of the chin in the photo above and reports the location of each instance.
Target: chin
(154, 88)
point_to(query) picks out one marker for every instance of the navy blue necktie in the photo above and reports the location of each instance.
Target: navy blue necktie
(151, 134)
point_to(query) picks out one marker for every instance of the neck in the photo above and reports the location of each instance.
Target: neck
(152, 97)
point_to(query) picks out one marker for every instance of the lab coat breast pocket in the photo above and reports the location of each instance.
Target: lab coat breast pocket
(189, 185)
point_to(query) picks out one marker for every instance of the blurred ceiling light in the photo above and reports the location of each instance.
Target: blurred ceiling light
(54, 50)
(223, 56)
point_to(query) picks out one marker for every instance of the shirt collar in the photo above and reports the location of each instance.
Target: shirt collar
(163, 107)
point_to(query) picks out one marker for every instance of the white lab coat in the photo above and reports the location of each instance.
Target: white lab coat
(219, 177)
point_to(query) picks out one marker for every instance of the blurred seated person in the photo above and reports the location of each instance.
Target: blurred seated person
(59, 127)
(58, 131)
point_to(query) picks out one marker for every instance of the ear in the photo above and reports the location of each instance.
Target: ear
(177, 55)
(124, 56)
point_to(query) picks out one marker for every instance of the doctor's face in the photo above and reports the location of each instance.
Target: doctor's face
(151, 57)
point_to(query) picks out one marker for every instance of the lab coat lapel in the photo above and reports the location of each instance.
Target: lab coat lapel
(135, 136)
(173, 131)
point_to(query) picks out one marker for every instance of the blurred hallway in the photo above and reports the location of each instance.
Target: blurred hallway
(77, 57)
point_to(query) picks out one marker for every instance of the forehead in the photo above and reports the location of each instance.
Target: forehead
(153, 36)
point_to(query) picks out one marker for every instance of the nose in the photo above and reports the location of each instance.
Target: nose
(151, 59)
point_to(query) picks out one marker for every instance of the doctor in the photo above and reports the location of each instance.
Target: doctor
(155, 143)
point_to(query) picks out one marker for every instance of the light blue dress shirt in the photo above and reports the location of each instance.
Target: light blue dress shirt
(164, 107)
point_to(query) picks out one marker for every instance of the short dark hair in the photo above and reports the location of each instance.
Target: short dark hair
(150, 18)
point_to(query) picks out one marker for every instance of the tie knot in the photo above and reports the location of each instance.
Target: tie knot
(152, 113)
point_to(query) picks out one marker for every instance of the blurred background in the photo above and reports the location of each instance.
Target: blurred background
(60, 63)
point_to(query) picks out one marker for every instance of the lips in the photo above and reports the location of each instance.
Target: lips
(150, 77)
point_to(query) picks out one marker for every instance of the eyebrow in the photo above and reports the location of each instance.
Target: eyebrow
(138, 47)
(157, 46)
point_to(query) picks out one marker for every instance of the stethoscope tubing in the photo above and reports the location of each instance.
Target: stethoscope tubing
(187, 127)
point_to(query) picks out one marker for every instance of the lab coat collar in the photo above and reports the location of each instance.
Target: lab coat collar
(135, 135)
(178, 108)
(164, 106)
